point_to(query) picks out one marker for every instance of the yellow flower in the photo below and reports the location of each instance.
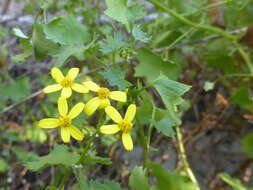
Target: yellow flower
(102, 100)
(125, 125)
(65, 121)
(66, 83)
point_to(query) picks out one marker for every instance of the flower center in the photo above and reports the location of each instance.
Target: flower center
(125, 126)
(103, 93)
(66, 82)
(65, 122)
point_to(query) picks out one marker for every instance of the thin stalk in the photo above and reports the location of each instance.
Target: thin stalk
(184, 157)
(144, 144)
(193, 24)
(246, 58)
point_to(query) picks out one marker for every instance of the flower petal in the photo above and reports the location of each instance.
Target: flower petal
(72, 73)
(80, 88)
(92, 86)
(109, 129)
(66, 92)
(52, 88)
(91, 106)
(48, 123)
(76, 133)
(62, 106)
(118, 96)
(127, 141)
(130, 113)
(76, 110)
(57, 74)
(65, 134)
(113, 114)
(104, 103)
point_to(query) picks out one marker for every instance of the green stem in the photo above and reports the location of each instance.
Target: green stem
(64, 179)
(193, 24)
(246, 58)
(184, 157)
(144, 144)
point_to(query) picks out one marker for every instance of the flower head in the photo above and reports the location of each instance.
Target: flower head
(65, 83)
(65, 121)
(102, 99)
(124, 125)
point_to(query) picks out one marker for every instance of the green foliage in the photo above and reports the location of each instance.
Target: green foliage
(170, 180)
(121, 12)
(247, 143)
(138, 34)
(41, 45)
(66, 31)
(170, 91)
(165, 126)
(138, 179)
(233, 182)
(3, 165)
(116, 77)
(242, 98)
(113, 43)
(208, 86)
(91, 158)
(59, 155)
(151, 65)
(9, 91)
(106, 185)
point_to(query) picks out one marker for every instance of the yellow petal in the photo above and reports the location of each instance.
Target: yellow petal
(76, 133)
(76, 110)
(62, 106)
(113, 114)
(104, 103)
(92, 86)
(91, 106)
(118, 96)
(72, 73)
(109, 129)
(48, 123)
(127, 141)
(57, 74)
(65, 134)
(79, 88)
(52, 88)
(130, 113)
(66, 92)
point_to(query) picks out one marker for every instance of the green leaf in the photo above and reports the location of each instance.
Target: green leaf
(151, 65)
(24, 156)
(233, 182)
(92, 158)
(113, 43)
(66, 31)
(170, 180)
(42, 46)
(59, 155)
(17, 32)
(116, 77)
(106, 185)
(127, 15)
(247, 145)
(138, 179)
(3, 165)
(170, 91)
(21, 85)
(138, 34)
(165, 126)
(208, 86)
(242, 98)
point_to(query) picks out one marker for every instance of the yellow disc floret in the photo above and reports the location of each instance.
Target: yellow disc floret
(103, 93)
(125, 126)
(66, 82)
(65, 122)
